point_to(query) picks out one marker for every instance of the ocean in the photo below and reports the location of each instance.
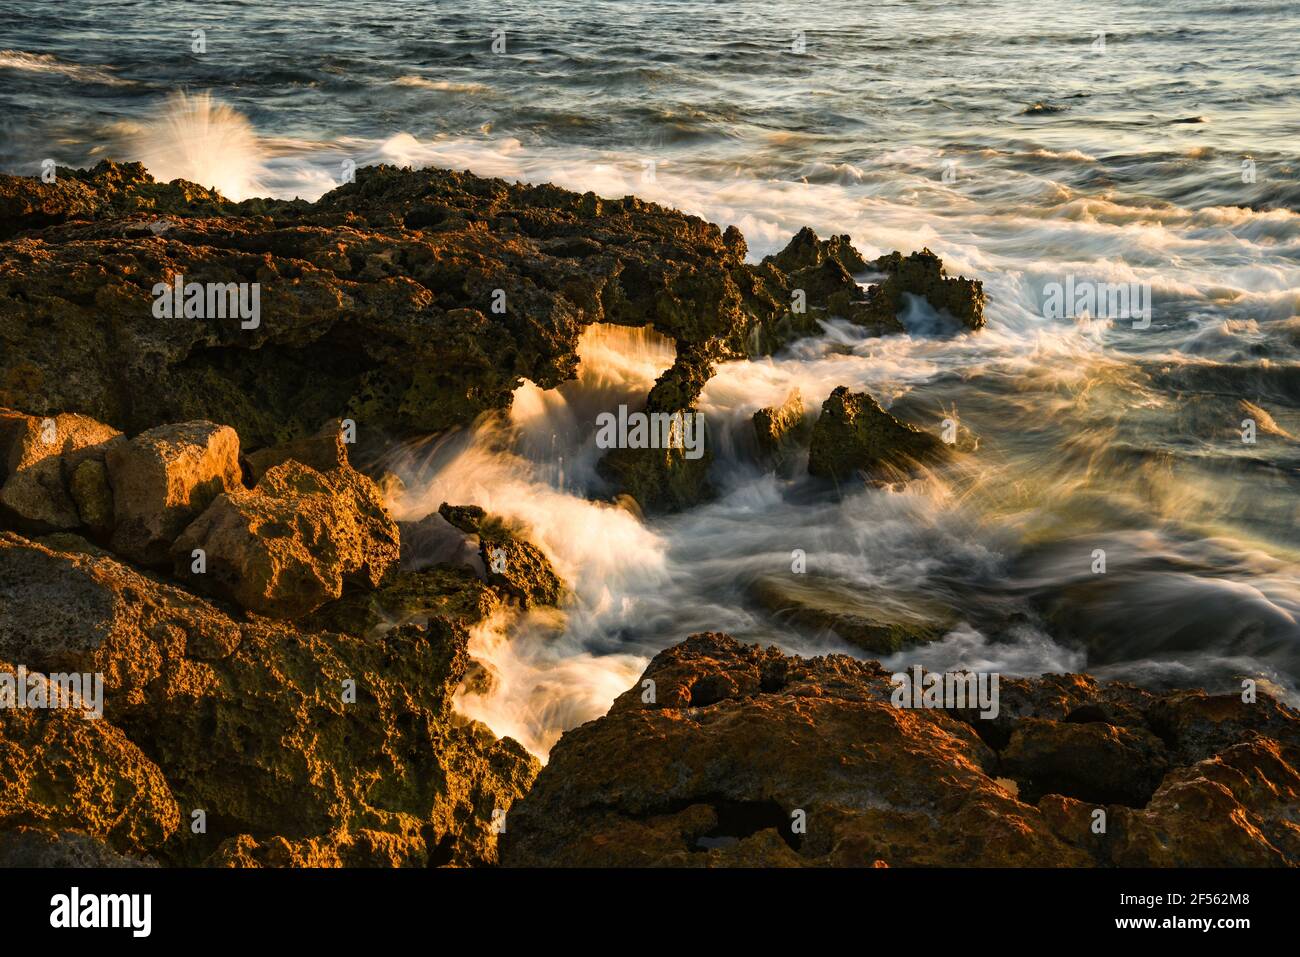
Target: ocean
(1143, 148)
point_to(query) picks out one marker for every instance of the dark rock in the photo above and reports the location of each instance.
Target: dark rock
(922, 274)
(877, 624)
(855, 435)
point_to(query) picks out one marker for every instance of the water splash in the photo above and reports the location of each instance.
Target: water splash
(197, 138)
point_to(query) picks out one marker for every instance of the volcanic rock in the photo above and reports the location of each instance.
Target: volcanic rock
(875, 623)
(922, 274)
(38, 847)
(779, 428)
(59, 769)
(39, 462)
(514, 566)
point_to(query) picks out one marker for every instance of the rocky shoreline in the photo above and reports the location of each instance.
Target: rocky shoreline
(186, 512)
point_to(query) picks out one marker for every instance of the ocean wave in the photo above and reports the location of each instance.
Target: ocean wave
(49, 64)
(446, 86)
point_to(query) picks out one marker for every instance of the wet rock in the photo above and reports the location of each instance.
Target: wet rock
(736, 743)
(163, 479)
(378, 303)
(290, 544)
(520, 570)
(779, 429)
(38, 847)
(411, 301)
(468, 518)
(855, 435)
(660, 480)
(514, 566)
(877, 624)
(922, 274)
(39, 457)
(271, 730)
(806, 251)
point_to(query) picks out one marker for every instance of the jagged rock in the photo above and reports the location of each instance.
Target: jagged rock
(806, 251)
(379, 301)
(877, 624)
(37, 847)
(468, 518)
(855, 435)
(520, 570)
(738, 743)
(921, 274)
(777, 427)
(254, 721)
(109, 190)
(60, 769)
(39, 458)
(661, 480)
(163, 479)
(449, 590)
(365, 848)
(1093, 761)
(741, 745)
(1236, 809)
(514, 566)
(290, 544)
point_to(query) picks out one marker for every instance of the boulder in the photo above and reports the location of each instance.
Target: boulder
(290, 544)
(875, 623)
(40, 459)
(747, 757)
(271, 730)
(163, 479)
(61, 770)
(323, 452)
(854, 435)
